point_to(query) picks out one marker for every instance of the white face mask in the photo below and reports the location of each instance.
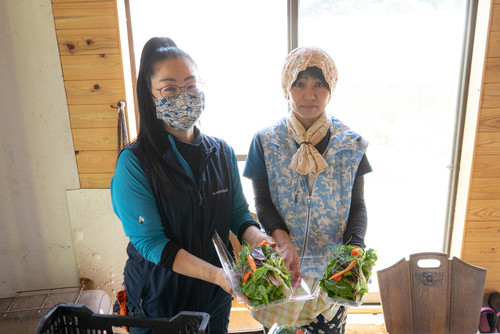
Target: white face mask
(182, 111)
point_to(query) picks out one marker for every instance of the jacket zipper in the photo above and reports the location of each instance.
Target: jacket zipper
(304, 244)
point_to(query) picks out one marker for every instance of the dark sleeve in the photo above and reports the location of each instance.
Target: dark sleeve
(364, 166)
(268, 216)
(168, 255)
(358, 219)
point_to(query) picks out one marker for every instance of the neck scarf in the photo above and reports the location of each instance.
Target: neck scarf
(307, 160)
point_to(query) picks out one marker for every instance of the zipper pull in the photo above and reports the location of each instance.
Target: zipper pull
(200, 199)
(309, 199)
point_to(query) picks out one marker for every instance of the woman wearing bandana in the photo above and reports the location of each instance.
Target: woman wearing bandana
(307, 175)
(173, 188)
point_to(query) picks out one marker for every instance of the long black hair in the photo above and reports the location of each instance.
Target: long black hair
(151, 136)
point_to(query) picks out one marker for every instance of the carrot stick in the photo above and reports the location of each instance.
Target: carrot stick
(251, 262)
(338, 276)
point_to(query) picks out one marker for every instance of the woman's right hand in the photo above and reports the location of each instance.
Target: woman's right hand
(287, 250)
(221, 280)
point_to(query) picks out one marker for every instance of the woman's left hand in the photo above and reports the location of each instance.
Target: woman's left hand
(253, 236)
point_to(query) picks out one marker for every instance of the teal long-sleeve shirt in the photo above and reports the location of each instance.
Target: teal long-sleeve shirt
(135, 204)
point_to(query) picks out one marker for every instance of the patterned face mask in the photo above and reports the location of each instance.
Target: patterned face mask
(181, 111)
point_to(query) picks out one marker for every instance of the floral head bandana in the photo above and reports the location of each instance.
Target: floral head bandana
(300, 59)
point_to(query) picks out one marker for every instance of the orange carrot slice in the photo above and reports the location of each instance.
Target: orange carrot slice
(338, 276)
(251, 262)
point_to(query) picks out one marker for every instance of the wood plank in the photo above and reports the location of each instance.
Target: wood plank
(493, 270)
(366, 310)
(94, 91)
(492, 71)
(482, 231)
(88, 41)
(96, 162)
(95, 181)
(488, 143)
(493, 44)
(79, 15)
(495, 17)
(491, 95)
(489, 120)
(478, 251)
(365, 328)
(491, 285)
(95, 139)
(92, 67)
(484, 210)
(486, 166)
(63, 1)
(485, 188)
(92, 116)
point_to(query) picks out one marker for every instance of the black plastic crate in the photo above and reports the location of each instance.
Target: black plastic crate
(77, 318)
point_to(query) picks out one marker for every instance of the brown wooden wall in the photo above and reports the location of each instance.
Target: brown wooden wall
(89, 46)
(481, 242)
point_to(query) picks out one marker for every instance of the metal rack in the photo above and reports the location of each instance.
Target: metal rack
(43, 306)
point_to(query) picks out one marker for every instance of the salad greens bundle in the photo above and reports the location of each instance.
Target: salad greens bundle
(263, 274)
(287, 330)
(347, 272)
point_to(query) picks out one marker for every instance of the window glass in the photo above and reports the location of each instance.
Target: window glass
(399, 68)
(239, 47)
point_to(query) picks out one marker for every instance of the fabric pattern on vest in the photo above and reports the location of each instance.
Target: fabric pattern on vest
(314, 220)
(189, 223)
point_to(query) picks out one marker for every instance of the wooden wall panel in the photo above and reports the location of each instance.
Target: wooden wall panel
(88, 41)
(90, 52)
(97, 139)
(94, 92)
(66, 1)
(92, 116)
(91, 67)
(481, 240)
(492, 73)
(96, 162)
(489, 120)
(487, 142)
(93, 181)
(485, 188)
(82, 15)
(484, 210)
(487, 167)
(491, 95)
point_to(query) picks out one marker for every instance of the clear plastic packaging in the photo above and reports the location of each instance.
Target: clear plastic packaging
(299, 289)
(347, 275)
(275, 329)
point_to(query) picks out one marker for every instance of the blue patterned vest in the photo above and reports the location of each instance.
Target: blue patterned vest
(317, 219)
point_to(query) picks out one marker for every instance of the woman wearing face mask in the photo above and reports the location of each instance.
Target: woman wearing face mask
(307, 175)
(173, 188)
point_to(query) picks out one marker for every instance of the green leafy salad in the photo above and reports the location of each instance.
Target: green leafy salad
(347, 272)
(263, 274)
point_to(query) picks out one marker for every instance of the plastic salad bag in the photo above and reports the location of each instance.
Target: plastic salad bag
(276, 329)
(260, 278)
(347, 274)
